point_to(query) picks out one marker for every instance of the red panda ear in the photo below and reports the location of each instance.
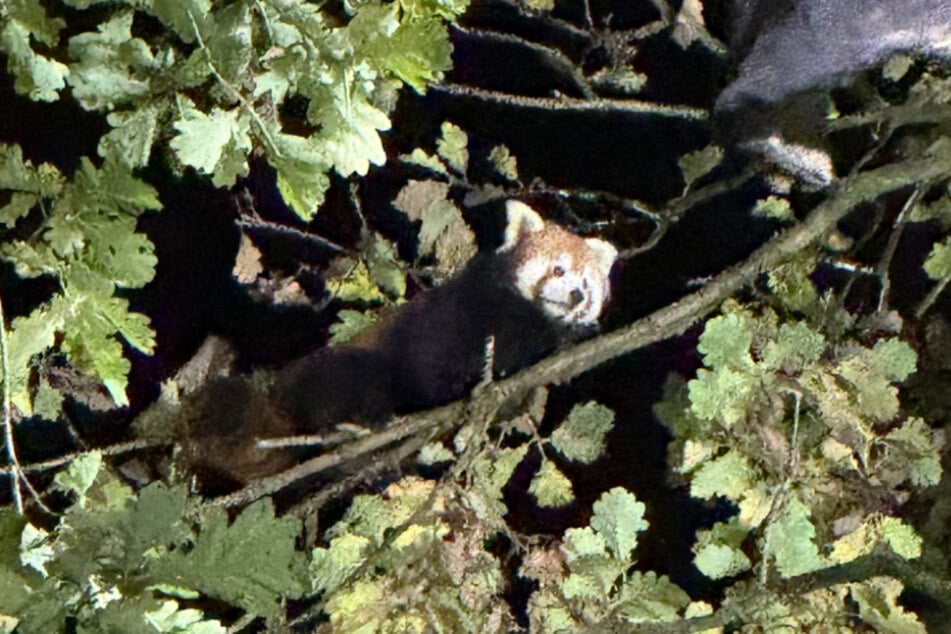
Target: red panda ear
(604, 252)
(520, 220)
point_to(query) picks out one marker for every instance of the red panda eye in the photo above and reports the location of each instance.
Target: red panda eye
(558, 271)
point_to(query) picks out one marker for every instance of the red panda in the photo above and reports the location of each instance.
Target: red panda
(542, 286)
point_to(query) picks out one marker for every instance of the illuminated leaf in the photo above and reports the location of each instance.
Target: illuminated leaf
(550, 487)
(581, 437)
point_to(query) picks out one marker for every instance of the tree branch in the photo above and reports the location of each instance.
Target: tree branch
(665, 323)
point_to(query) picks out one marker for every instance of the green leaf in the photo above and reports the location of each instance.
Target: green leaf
(28, 336)
(723, 395)
(581, 437)
(894, 358)
(451, 146)
(550, 487)
(699, 163)
(439, 217)
(251, 563)
(774, 207)
(301, 172)
(29, 261)
(48, 402)
(357, 286)
(648, 598)
(875, 530)
(215, 144)
(416, 51)
(349, 128)
(332, 566)
(350, 323)
(877, 600)
(547, 613)
(115, 532)
(875, 397)
(718, 552)
(133, 133)
(446, 9)
(374, 516)
(901, 537)
(16, 173)
(730, 475)
(384, 268)
(89, 341)
(227, 36)
(31, 15)
(117, 252)
(111, 65)
(504, 163)
(939, 210)
(726, 341)
(37, 77)
(111, 188)
(790, 281)
(172, 619)
(494, 471)
(938, 262)
(909, 453)
(182, 16)
(717, 561)
(19, 206)
(593, 571)
(796, 346)
(80, 475)
(434, 453)
(421, 158)
(618, 517)
(789, 540)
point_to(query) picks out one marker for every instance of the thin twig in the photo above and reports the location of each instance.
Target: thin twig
(556, 57)
(16, 473)
(309, 440)
(111, 450)
(885, 262)
(5, 413)
(570, 104)
(932, 295)
(545, 18)
(252, 222)
(263, 129)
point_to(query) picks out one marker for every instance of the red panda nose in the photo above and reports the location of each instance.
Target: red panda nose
(575, 297)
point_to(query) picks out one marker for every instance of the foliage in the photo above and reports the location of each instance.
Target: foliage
(215, 81)
(588, 583)
(409, 560)
(795, 423)
(782, 421)
(126, 561)
(86, 240)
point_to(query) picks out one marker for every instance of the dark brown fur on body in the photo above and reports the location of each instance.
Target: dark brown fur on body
(432, 354)
(542, 287)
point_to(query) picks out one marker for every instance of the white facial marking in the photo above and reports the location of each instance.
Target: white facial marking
(563, 274)
(564, 292)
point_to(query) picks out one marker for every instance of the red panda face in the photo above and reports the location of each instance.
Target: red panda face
(565, 275)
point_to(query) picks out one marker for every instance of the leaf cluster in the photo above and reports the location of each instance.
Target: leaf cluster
(123, 561)
(86, 240)
(411, 559)
(211, 86)
(587, 583)
(799, 430)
